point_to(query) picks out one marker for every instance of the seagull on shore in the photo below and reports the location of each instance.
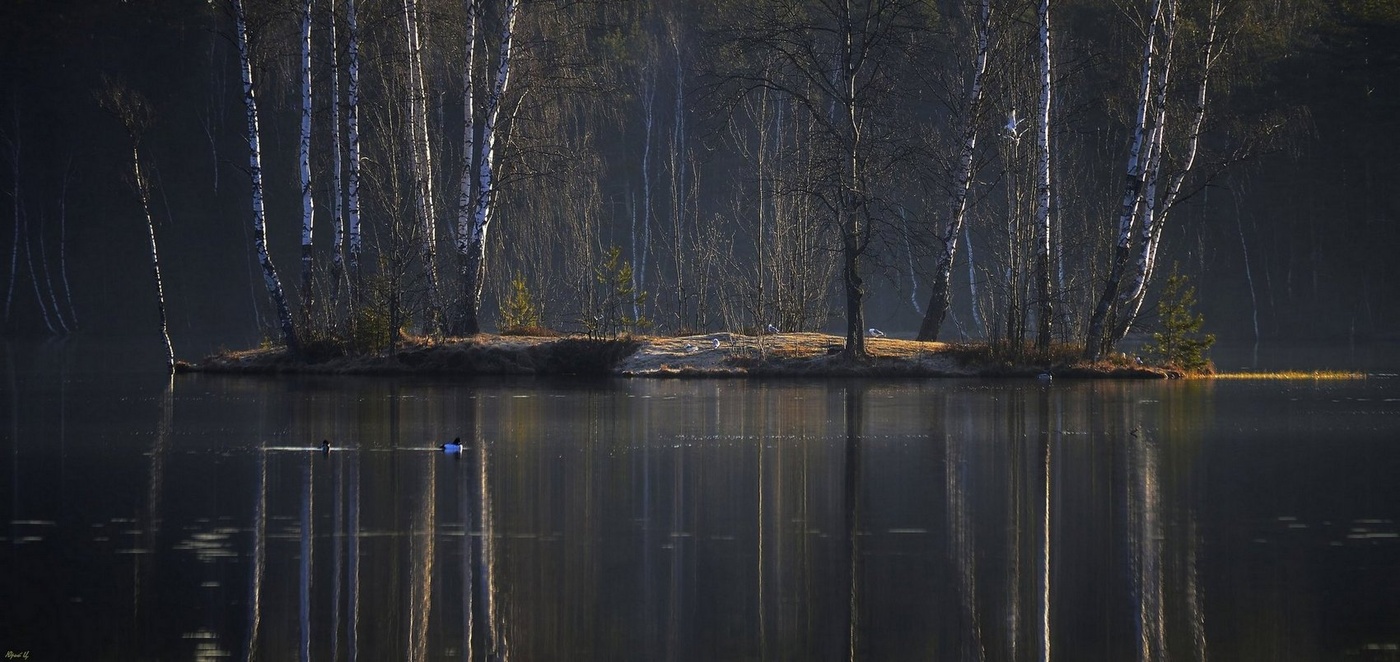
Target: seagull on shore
(690, 348)
(715, 343)
(772, 329)
(454, 446)
(874, 333)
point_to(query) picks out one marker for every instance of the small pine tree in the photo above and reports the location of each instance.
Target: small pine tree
(1180, 342)
(618, 297)
(519, 310)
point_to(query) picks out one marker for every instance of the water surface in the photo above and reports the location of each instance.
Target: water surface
(693, 519)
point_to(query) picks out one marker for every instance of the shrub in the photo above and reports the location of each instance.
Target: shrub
(519, 310)
(1180, 342)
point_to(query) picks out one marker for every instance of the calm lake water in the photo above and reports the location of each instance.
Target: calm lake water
(697, 519)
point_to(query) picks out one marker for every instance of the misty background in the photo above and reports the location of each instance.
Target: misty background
(1296, 242)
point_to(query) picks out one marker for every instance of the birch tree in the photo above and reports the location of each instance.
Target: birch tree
(134, 112)
(352, 130)
(969, 118)
(421, 161)
(1149, 194)
(270, 277)
(475, 210)
(1042, 185)
(308, 211)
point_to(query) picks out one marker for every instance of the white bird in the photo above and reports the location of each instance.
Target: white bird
(715, 342)
(874, 333)
(1012, 128)
(772, 329)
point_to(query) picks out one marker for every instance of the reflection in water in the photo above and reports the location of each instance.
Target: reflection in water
(658, 520)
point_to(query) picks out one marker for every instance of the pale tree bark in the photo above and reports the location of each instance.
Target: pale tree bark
(466, 198)
(1135, 257)
(337, 179)
(308, 210)
(132, 110)
(472, 245)
(270, 277)
(1042, 187)
(352, 130)
(940, 298)
(422, 162)
(1155, 219)
(1094, 343)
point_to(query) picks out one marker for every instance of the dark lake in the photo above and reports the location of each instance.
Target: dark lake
(194, 518)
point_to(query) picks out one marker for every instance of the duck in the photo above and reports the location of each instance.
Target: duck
(1045, 377)
(325, 446)
(454, 446)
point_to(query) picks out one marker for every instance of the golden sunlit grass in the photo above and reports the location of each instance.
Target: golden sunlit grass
(1295, 375)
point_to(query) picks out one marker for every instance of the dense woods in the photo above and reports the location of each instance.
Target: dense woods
(1014, 170)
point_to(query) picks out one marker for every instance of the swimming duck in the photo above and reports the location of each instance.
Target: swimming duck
(454, 446)
(325, 446)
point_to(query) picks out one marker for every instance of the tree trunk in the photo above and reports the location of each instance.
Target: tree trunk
(337, 182)
(304, 163)
(352, 129)
(422, 163)
(270, 278)
(466, 200)
(474, 268)
(1042, 187)
(1095, 342)
(940, 298)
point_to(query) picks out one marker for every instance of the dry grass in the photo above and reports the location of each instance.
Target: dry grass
(707, 355)
(1294, 375)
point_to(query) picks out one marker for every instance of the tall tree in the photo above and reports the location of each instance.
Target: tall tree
(134, 112)
(270, 277)
(471, 236)
(1148, 198)
(1042, 185)
(840, 62)
(947, 241)
(421, 162)
(308, 210)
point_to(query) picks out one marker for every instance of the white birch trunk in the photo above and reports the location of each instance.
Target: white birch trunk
(957, 205)
(678, 176)
(1152, 232)
(352, 129)
(308, 211)
(421, 162)
(475, 270)
(270, 278)
(337, 181)
(1094, 342)
(639, 253)
(1042, 185)
(466, 201)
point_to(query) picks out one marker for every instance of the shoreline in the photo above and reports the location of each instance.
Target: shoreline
(713, 355)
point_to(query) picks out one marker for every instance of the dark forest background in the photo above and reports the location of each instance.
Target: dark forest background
(631, 125)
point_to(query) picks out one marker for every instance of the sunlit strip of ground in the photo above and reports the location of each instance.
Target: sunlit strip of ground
(1294, 375)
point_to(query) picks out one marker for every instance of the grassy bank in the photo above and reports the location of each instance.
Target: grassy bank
(710, 355)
